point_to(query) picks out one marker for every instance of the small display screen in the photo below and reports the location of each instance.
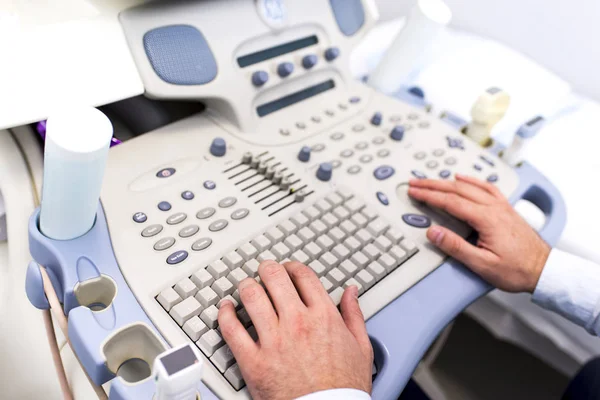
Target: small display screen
(267, 54)
(294, 98)
(535, 121)
(179, 360)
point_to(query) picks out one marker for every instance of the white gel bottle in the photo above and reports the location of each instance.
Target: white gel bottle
(77, 143)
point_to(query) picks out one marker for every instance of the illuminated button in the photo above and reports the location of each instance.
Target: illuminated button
(309, 61)
(285, 69)
(165, 173)
(259, 78)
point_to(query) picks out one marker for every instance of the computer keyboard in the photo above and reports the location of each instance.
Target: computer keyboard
(344, 241)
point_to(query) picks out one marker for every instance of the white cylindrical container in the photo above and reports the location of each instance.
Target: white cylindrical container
(424, 24)
(77, 143)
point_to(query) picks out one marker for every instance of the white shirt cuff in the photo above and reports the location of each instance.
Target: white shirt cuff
(570, 286)
(337, 394)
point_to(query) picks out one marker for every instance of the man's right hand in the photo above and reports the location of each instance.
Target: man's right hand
(509, 253)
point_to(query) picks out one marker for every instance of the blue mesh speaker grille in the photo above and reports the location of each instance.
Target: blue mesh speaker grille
(349, 15)
(180, 55)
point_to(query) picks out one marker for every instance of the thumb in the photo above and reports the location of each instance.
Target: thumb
(458, 248)
(354, 319)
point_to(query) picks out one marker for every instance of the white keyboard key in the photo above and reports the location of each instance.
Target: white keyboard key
(210, 317)
(330, 220)
(318, 227)
(233, 260)
(251, 268)
(336, 295)
(354, 282)
(353, 244)
(313, 250)
(195, 328)
(345, 193)
(261, 243)
(281, 251)
(307, 235)
(377, 227)
(244, 317)
(348, 268)
(185, 288)
(336, 277)
(329, 260)
(383, 243)
(185, 310)
(388, 262)
(365, 279)
(222, 287)
(209, 342)
(236, 296)
(354, 205)
(247, 251)
(300, 220)
(236, 276)
(325, 242)
(377, 270)
(233, 301)
(409, 246)
(369, 213)
(359, 259)
(284, 261)
(341, 213)
(287, 227)
(312, 213)
(341, 252)
(324, 206)
(168, 298)
(319, 268)
(293, 242)
(275, 235)
(394, 235)
(301, 257)
(326, 284)
(335, 199)
(234, 377)
(202, 278)
(348, 227)
(363, 236)
(266, 255)
(399, 255)
(223, 358)
(371, 251)
(218, 269)
(207, 297)
(337, 235)
(359, 220)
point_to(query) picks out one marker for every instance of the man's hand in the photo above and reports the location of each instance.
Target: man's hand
(509, 253)
(304, 344)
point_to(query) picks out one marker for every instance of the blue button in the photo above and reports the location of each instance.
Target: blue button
(354, 99)
(445, 174)
(140, 217)
(165, 173)
(418, 174)
(164, 206)
(487, 160)
(376, 119)
(177, 257)
(383, 172)
(309, 61)
(210, 185)
(383, 199)
(259, 78)
(324, 172)
(417, 91)
(332, 53)
(477, 167)
(187, 195)
(397, 133)
(285, 69)
(304, 154)
(416, 220)
(218, 147)
(492, 178)
(455, 143)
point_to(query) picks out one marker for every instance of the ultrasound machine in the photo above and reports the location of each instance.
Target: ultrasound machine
(292, 159)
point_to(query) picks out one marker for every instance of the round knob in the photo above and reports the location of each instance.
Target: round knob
(259, 78)
(304, 154)
(324, 172)
(309, 61)
(376, 119)
(285, 69)
(218, 148)
(332, 53)
(417, 91)
(397, 133)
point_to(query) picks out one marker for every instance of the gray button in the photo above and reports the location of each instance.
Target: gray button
(342, 106)
(439, 152)
(206, 213)
(379, 140)
(420, 155)
(284, 132)
(337, 136)
(347, 153)
(383, 153)
(300, 125)
(450, 161)
(358, 128)
(329, 113)
(218, 225)
(424, 125)
(176, 218)
(395, 118)
(164, 243)
(432, 164)
(367, 158)
(355, 169)
(140, 217)
(227, 202)
(318, 147)
(240, 214)
(413, 116)
(361, 145)
(316, 119)
(189, 231)
(336, 164)
(152, 230)
(202, 244)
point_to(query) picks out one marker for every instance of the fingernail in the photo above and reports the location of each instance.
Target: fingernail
(354, 291)
(411, 191)
(436, 235)
(226, 302)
